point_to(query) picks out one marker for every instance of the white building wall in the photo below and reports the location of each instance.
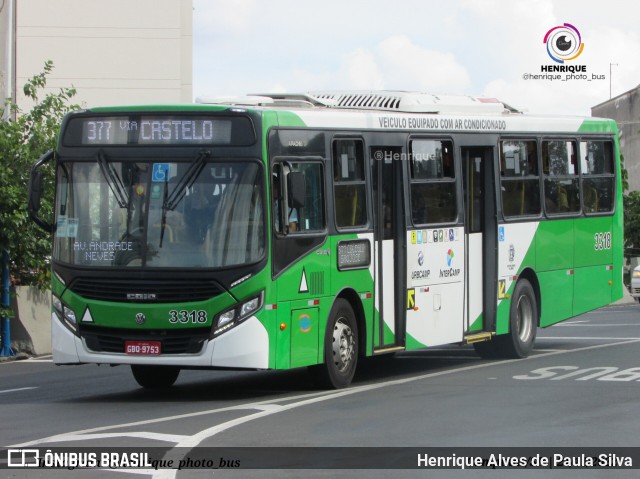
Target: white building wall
(114, 52)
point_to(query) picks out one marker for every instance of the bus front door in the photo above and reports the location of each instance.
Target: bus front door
(481, 238)
(389, 249)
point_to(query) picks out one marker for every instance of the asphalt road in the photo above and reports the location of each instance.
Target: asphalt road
(579, 388)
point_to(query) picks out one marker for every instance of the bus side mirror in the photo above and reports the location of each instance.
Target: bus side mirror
(296, 188)
(35, 192)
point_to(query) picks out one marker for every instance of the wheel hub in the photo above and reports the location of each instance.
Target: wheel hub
(343, 345)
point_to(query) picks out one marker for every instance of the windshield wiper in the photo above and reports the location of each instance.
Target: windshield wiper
(164, 208)
(169, 202)
(187, 180)
(113, 180)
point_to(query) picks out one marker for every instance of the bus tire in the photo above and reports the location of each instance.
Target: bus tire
(155, 377)
(340, 348)
(523, 323)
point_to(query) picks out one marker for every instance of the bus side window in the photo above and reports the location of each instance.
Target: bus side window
(310, 216)
(349, 183)
(520, 180)
(598, 176)
(561, 189)
(433, 183)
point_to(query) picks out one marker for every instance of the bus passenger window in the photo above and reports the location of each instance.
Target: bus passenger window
(349, 183)
(433, 183)
(520, 180)
(598, 176)
(560, 167)
(308, 218)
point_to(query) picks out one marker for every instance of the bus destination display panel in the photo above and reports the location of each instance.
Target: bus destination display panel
(158, 130)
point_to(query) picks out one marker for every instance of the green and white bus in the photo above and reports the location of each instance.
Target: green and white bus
(311, 230)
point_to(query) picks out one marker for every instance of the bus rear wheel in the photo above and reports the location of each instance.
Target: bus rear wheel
(340, 348)
(523, 323)
(155, 377)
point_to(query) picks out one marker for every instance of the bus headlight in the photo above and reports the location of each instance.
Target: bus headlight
(65, 314)
(234, 316)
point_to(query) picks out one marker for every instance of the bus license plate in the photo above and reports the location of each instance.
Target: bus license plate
(142, 347)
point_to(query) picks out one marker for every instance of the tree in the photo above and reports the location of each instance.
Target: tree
(632, 223)
(21, 143)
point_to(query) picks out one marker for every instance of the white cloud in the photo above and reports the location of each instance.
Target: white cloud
(407, 66)
(360, 71)
(458, 47)
(396, 63)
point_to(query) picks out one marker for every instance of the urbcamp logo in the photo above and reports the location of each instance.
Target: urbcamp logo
(450, 256)
(564, 43)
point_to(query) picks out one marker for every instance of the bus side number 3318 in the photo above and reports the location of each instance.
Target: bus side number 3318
(602, 241)
(184, 316)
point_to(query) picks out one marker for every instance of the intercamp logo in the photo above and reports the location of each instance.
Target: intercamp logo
(563, 43)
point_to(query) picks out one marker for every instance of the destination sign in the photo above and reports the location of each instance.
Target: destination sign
(159, 130)
(354, 254)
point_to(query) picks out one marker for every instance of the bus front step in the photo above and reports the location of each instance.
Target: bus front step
(478, 337)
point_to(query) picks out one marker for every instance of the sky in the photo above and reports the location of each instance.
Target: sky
(459, 47)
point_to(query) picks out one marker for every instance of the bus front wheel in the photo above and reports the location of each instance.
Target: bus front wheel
(523, 323)
(155, 377)
(340, 348)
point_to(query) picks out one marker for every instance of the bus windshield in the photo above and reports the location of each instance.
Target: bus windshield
(158, 214)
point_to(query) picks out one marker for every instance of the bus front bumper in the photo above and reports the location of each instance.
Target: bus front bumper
(244, 347)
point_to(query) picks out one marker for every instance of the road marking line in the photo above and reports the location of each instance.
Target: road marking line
(597, 338)
(18, 389)
(257, 405)
(172, 438)
(198, 438)
(267, 408)
(595, 325)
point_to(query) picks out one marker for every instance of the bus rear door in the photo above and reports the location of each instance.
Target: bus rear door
(480, 238)
(389, 250)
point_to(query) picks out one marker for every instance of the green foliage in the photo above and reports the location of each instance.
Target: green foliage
(631, 202)
(632, 223)
(22, 142)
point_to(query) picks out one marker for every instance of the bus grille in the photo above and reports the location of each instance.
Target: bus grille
(111, 340)
(146, 290)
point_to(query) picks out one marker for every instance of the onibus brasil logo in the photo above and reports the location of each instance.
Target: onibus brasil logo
(564, 43)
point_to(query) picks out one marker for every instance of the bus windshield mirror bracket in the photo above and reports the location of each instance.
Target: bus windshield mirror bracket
(35, 192)
(296, 189)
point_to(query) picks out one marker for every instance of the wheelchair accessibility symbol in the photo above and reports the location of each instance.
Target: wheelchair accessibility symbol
(160, 172)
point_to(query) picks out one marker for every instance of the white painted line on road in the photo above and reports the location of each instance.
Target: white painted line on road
(198, 438)
(268, 408)
(18, 389)
(141, 472)
(435, 356)
(595, 325)
(30, 360)
(260, 405)
(582, 338)
(172, 438)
